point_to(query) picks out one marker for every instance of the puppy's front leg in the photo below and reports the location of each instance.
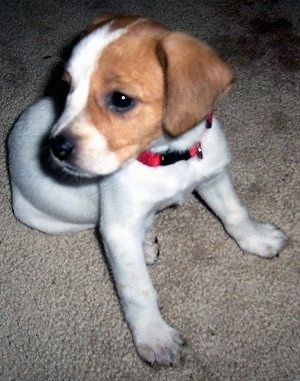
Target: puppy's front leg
(155, 340)
(264, 240)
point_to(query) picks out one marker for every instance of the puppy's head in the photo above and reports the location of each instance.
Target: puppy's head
(131, 81)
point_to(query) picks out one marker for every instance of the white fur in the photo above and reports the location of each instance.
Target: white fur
(128, 202)
(80, 67)
(34, 192)
(96, 157)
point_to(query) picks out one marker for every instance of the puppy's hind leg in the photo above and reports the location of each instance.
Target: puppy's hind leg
(264, 240)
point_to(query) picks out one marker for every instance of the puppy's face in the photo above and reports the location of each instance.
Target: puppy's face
(126, 83)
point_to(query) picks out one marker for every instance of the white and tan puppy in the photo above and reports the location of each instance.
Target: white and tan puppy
(137, 130)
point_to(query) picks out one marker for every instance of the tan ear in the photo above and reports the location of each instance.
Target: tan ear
(194, 79)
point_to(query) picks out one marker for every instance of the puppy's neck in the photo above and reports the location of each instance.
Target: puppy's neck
(180, 143)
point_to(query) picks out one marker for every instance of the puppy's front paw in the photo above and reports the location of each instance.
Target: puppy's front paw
(158, 343)
(264, 240)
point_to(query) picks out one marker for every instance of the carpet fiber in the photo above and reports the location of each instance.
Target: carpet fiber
(60, 318)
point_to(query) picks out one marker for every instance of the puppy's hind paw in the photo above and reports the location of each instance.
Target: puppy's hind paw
(151, 249)
(266, 240)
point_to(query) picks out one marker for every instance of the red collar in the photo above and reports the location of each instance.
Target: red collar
(152, 159)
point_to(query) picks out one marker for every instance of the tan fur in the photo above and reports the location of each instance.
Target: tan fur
(128, 65)
(175, 78)
(195, 78)
(116, 22)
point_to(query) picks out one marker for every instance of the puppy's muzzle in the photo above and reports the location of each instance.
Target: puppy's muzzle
(62, 147)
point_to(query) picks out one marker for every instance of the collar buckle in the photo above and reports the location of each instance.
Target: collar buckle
(199, 151)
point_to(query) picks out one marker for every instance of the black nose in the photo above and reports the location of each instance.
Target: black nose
(62, 146)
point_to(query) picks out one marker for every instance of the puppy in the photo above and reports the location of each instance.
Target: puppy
(137, 129)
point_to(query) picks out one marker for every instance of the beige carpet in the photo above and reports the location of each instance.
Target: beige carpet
(59, 316)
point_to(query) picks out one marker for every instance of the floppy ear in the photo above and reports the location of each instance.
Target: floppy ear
(194, 79)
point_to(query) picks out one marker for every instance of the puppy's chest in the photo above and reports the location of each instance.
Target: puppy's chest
(175, 188)
(163, 186)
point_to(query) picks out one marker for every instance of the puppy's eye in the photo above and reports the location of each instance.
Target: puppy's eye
(120, 102)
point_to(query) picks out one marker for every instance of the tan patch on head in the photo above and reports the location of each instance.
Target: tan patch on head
(174, 79)
(122, 21)
(128, 65)
(116, 21)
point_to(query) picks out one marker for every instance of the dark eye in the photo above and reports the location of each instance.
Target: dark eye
(120, 102)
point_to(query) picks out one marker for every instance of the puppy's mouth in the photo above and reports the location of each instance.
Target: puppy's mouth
(70, 169)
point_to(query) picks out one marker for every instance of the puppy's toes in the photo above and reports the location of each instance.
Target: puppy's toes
(266, 241)
(158, 344)
(151, 250)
